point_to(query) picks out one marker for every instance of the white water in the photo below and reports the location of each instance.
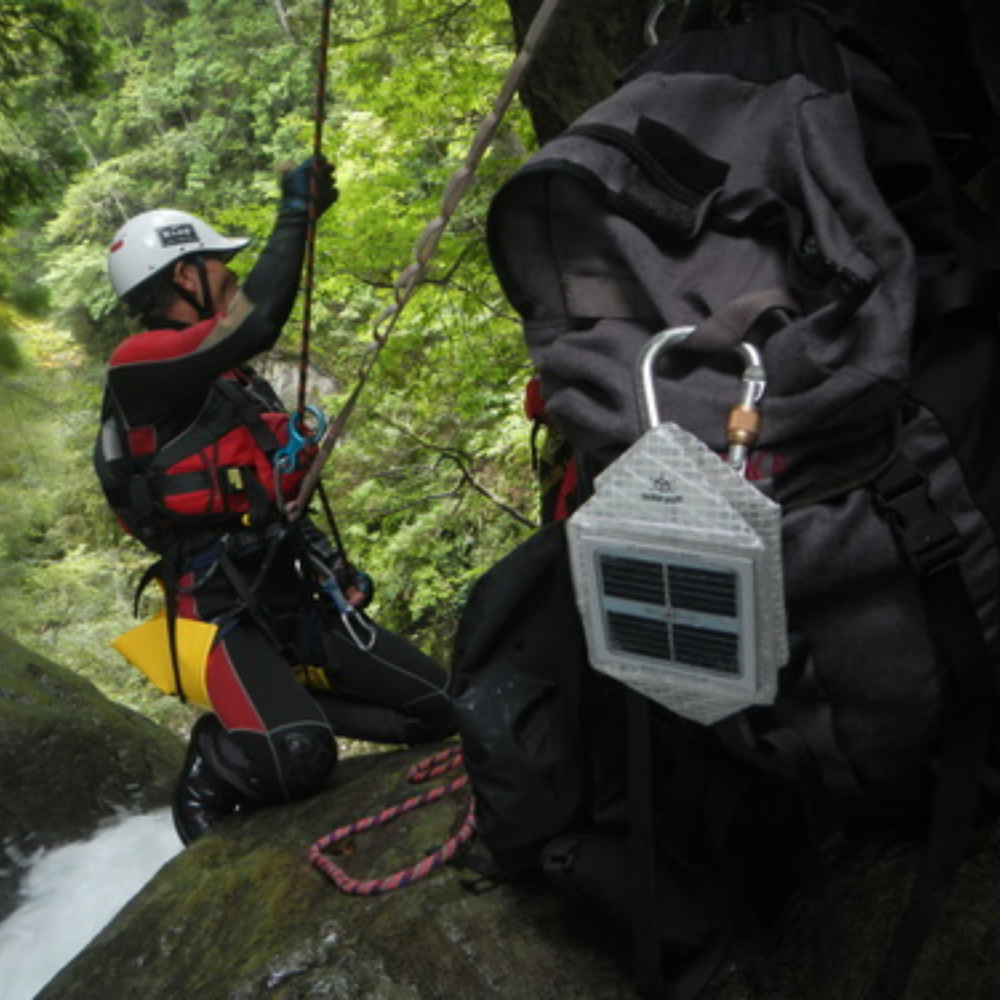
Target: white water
(72, 892)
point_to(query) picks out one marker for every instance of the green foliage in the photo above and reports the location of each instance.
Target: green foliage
(10, 355)
(49, 50)
(67, 577)
(200, 104)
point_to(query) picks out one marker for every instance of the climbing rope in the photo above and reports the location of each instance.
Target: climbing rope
(319, 116)
(410, 278)
(433, 767)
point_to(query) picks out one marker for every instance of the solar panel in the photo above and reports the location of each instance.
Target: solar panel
(673, 610)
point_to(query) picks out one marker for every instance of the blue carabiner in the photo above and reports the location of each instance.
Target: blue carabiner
(286, 458)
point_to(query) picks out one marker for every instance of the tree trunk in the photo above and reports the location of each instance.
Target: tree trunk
(589, 43)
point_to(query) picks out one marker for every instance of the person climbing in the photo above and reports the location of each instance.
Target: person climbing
(193, 457)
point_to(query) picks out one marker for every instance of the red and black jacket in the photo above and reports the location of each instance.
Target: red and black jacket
(188, 431)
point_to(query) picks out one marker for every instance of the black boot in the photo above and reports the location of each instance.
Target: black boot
(202, 797)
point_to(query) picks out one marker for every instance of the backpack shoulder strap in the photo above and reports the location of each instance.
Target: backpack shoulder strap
(931, 544)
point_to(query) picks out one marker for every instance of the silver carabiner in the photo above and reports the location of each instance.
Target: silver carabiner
(744, 418)
(357, 626)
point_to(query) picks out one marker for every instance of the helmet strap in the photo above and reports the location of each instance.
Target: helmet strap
(205, 307)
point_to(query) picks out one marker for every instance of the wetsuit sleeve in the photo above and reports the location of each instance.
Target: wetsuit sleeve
(265, 301)
(152, 373)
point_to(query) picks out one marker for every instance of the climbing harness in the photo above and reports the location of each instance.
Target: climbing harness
(433, 767)
(410, 279)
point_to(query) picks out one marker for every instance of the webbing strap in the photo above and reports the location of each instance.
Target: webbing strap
(902, 493)
(167, 571)
(959, 780)
(648, 968)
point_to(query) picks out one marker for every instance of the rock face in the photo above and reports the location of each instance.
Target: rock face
(69, 759)
(243, 915)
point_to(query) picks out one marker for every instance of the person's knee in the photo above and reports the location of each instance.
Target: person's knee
(271, 768)
(304, 758)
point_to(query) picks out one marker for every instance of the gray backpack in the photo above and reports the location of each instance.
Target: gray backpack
(766, 184)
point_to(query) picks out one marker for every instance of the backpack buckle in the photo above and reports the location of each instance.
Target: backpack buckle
(926, 535)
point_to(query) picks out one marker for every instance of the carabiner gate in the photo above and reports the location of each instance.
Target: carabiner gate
(358, 627)
(744, 417)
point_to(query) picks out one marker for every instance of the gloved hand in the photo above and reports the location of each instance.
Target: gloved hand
(356, 585)
(361, 591)
(296, 186)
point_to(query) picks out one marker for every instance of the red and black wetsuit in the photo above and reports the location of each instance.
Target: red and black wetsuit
(284, 676)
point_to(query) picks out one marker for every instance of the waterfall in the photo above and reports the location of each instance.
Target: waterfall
(71, 893)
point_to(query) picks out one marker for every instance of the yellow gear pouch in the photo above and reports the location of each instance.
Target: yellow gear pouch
(147, 648)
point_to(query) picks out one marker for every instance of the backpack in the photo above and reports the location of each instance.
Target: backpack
(216, 474)
(762, 184)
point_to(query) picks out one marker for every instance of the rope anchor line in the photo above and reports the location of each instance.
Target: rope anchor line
(433, 767)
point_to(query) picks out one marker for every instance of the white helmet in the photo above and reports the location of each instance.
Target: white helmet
(148, 243)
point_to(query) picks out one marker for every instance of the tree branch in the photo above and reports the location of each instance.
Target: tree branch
(463, 463)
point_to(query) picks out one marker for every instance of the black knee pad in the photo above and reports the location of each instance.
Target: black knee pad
(305, 758)
(227, 758)
(270, 769)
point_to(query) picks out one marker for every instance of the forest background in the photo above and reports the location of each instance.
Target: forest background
(114, 107)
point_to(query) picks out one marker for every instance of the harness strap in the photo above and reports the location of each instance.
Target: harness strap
(166, 570)
(247, 592)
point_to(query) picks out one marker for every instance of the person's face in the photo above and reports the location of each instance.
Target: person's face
(223, 283)
(220, 279)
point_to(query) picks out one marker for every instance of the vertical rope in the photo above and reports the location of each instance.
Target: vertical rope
(319, 115)
(409, 280)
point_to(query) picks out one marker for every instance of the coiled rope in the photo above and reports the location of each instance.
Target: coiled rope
(433, 767)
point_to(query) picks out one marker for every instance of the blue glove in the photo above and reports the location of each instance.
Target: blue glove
(366, 585)
(297, 185)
